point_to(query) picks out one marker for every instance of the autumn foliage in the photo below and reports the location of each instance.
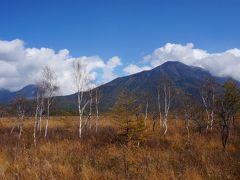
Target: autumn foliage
(100, 155)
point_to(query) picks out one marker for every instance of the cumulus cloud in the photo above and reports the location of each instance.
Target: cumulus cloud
(132, 69)
(21, 66)
(109, 67)
(175, 52)
(225, 63)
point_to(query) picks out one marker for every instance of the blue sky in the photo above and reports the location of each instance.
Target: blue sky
(129, 29)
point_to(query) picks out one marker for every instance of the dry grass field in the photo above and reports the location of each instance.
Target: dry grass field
(99, 155)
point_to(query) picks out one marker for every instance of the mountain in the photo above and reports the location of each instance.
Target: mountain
(187, 78)
(7, 96)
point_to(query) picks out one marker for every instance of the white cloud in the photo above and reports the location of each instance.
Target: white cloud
(220, 64)
(21, 66)
(109, 67)
(132, 69)
(234, 51)
(11, 50)
(174, 52)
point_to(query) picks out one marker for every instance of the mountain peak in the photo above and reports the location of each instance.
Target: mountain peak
(173, 66)
(170, 63)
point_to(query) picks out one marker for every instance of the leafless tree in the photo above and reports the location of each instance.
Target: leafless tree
(49, 86)
(20, 105)
(40, 97)
(39, 109)
(159, 104)
(187, 108)
(88, 122)
(168, 93)
(97, 99)
(198, 117)
(146, 97)
(81, 82)
(208, 100)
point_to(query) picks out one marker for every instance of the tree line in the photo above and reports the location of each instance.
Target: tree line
(214, 111)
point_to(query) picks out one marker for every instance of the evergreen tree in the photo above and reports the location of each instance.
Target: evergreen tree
(127, 113)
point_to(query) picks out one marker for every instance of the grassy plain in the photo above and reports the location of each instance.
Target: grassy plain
(99, 155)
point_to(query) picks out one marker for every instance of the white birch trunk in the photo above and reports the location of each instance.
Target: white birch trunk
(80, 126)
(207, 111)
(46, 127)
(97, 118)
(159, 109)
(212, 119)
(80, 115)
(21, 125)
(34, 130)
(165, 124)
(167, 103)
(212, 113)
(90, 111)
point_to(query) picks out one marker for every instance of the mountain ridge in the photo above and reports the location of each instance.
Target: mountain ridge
(7, 96)
(187, 78)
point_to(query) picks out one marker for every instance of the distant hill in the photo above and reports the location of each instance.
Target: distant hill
(7, 96)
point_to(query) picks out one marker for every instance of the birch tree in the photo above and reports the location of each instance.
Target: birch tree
(208, 100)
(168, 92)
(89, 119)
(81, 82)
(97, 99)
(39, 108)
(40, 105)
(188, 110)
(50, 87)
(159, 104)
(20, 104)
(146, 97)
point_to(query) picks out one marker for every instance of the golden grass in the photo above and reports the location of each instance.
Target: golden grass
(99, 156)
